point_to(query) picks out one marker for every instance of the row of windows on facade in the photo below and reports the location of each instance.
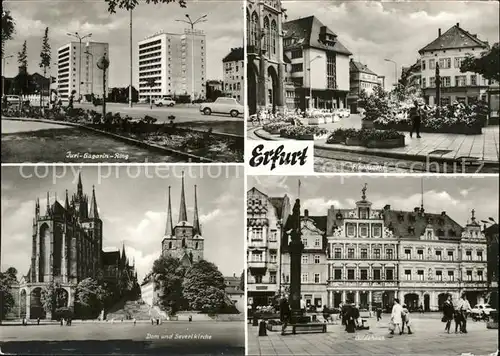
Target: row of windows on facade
(157, 84)
(156, 42)
(257, 233)
(465, 100)
(235, 86)
(460, 81)
(444, 63)
(159, 54)
(376, 254)
(229, 67)
(330, 65)
(142, 63)
(269, 32)
(376, 275)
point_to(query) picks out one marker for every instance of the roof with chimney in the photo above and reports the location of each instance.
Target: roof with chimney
(355, 66)
(310, 32)
(455, 38)
(236, 54)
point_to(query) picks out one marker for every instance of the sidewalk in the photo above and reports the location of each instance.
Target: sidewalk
(428, 338)
(438, 146)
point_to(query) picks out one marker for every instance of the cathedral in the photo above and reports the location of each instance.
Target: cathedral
(67, 248)
(183, 240)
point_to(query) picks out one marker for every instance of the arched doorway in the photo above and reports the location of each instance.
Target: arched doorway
(272, 89)
(412, 301)
(22, 304)
(441, 299)
(252, 75)
(427, 302)
(337, 299)
(36, 308)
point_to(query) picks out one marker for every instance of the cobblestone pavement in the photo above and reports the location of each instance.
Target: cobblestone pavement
(428, 338)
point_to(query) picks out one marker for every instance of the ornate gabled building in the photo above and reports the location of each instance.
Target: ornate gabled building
(67, 248)
(265, 64)
(370, 256)
(265, 218)
(183, 240)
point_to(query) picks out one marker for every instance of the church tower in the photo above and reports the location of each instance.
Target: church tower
(184, 240)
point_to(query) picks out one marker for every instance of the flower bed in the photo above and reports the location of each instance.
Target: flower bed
(274, 128)
(203, 144)
(367, 138)
(456, 118)
(303, 132)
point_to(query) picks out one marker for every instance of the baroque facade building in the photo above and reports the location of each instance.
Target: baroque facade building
(67, 247)
(370, 256)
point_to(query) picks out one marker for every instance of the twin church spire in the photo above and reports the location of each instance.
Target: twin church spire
(182, 212)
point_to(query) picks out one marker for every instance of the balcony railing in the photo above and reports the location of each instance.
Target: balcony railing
(362, 283)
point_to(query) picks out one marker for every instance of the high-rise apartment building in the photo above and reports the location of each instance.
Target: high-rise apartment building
(176, 63)
(78, 64)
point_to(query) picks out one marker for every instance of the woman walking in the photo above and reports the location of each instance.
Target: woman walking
(396, 316)
(405, 316)
(448, 314)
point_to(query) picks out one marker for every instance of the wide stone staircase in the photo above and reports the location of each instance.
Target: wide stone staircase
(127, 310)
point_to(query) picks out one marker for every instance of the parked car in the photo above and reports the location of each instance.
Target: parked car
(165, 102)
(480, 308)
(15, 100)
(223, 106)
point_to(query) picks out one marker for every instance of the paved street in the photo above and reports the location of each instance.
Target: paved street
(182, 113)
(213, 338)
(428, 338)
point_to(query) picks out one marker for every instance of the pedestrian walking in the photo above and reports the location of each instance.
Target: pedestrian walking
(350, 319)
(135, 321)
(405, 316)
(448, 313)
(463, 308)
(379, 313)
(396, 314)
(71, 99)
(415, 116)
(284, 314)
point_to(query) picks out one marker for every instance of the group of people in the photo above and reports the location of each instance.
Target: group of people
(458, 314)
(400, 317)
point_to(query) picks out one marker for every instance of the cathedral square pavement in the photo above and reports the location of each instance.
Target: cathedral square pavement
(428, 338)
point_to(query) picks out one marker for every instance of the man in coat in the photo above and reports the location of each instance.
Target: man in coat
(284, 313)
(448, 313)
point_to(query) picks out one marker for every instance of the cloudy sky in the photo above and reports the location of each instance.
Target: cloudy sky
(373, 31)
(223, 30)
(457, 196)
(133, 210)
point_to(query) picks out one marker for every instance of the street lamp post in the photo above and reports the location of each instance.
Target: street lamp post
(80, 38)
(310, 82)
(192, 23)
(395, 71)
(4, 59)
(131, 74)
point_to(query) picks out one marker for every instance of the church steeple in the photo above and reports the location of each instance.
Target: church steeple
(66, 202)
(94, 213)
(80, 185)
(196, 220)
(183, 210)
(48, 204)
(169, 225)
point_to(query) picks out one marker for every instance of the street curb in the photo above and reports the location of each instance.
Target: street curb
(129, 140)
(396, 155)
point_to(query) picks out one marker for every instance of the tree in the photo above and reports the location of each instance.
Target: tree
(45, 58)
(168, 275)
(22, 56)
(242, 280)
(131, 4)
(7, 279)
(204, 287)
(90, 297)
(53, 297)
(488, 64)
(8, 28)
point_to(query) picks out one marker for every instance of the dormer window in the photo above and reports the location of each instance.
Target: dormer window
(452, 233)
(440, 233)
